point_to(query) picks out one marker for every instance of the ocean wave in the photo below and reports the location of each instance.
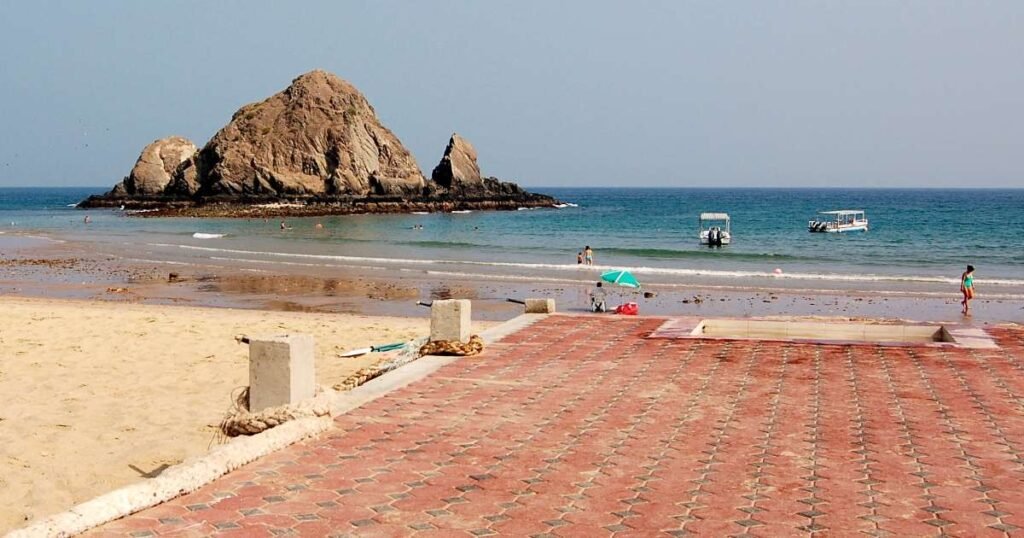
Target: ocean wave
(202, 235)
(162, 262)
(727, 288)
(763, 288)
(638, 270)
(296, 264)
(442, 244)
(664, 253)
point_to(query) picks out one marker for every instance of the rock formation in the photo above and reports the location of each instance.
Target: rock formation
(155, 167)
(318, 141)
(458, 170)
(319, 136)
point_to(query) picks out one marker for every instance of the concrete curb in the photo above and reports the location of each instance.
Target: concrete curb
(194, 473)
(177, 480)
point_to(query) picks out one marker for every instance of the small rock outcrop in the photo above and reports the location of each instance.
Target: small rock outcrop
(155, 167)
(458, 169)
(319, 145)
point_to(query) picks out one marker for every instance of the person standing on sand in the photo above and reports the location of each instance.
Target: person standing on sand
(967, 288)
(588, 255)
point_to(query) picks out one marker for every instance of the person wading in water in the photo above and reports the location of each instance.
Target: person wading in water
(967, 288)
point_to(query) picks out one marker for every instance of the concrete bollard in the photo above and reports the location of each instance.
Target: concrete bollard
(540, 306)
(449, 320)
(282, 370)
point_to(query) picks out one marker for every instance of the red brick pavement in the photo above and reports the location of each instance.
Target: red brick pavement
(581, 426)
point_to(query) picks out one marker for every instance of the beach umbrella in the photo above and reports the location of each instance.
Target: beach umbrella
(622, 278)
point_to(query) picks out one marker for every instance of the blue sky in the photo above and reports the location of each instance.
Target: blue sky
(741, 93)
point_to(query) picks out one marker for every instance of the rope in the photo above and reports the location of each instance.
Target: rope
(240, 421)
(386, 363)
(475, 346)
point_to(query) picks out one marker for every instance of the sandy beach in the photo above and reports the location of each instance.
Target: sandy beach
(99, 395)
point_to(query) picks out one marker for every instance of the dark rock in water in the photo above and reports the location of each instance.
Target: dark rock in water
(318, 143)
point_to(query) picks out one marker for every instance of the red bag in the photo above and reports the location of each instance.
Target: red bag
(628, 309)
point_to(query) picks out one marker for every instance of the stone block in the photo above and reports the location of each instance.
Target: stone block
(282, 370)
(540, 306)
(450, 320)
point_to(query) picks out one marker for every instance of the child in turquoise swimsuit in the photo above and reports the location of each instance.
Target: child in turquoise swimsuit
(967, 287)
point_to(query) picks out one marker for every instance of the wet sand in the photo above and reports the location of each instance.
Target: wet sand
(69, 270)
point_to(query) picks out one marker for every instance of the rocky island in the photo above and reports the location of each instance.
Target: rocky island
(316, 148)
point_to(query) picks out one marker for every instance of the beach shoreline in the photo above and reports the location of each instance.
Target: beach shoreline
(45, 266)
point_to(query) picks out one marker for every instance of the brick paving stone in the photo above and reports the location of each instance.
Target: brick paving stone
(583, 426)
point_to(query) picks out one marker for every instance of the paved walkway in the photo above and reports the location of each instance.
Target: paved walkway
(581, 426)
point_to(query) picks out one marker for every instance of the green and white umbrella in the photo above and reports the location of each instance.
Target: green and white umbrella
(622, 278)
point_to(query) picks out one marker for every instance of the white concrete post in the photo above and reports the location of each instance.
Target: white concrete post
(281, 370)
(540, 306)
(449, 320)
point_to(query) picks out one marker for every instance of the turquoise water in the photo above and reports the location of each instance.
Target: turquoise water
(918, 239)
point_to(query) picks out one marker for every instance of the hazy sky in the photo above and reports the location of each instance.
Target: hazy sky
(551, 93)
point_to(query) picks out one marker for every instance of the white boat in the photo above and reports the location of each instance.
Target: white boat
(714, 229)
(843, 220)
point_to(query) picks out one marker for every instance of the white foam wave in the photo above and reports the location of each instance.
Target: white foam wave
(162, 262)
(201, 235)
(639, 270)
(297, 264)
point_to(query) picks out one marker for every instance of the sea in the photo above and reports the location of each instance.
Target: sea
(919, 241)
